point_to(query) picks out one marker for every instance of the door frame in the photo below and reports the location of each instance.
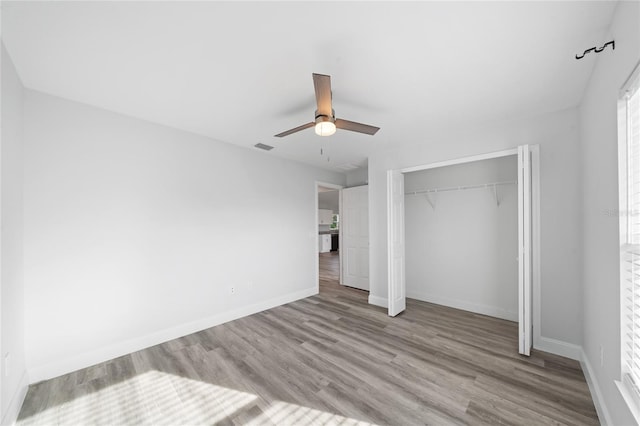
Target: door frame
(535, 219)
(316, 259)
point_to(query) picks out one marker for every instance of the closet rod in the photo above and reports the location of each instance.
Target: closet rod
(460, 188)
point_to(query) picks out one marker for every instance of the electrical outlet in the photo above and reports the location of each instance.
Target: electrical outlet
(601, 356)
(233, 290)
(7, 358)
(249, 285)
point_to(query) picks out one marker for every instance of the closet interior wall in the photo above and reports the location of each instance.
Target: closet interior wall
(461, 235)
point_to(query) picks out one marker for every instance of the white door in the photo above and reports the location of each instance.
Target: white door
(395, 238)
(355, 237)
(524, 244)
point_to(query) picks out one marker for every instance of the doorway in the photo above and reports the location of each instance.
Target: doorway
(342, 237)
(527, 241)
(461, 236)
(329, 235)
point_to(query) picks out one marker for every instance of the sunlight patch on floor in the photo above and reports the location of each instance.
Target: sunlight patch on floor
(157, 398)
(285, 413)
(150, 398)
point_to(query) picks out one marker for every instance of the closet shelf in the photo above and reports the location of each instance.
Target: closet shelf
(492, 185)
(460, 188)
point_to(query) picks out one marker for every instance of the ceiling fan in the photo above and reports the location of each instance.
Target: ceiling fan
(326, 122)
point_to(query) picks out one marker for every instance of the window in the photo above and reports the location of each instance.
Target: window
(629, 171)
(335, 222)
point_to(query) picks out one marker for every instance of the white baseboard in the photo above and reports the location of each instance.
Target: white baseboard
(378, 301)
(477, 308)
(558, 347)
(87, 359)
(594, 388)
(9, 418)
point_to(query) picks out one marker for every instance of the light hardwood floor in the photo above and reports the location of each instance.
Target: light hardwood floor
(327, 359)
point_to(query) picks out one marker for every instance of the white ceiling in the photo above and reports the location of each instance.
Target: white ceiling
(240, 72)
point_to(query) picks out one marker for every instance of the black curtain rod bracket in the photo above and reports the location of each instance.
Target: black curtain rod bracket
(595, 49)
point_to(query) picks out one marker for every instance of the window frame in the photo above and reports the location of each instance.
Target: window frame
(629, 388)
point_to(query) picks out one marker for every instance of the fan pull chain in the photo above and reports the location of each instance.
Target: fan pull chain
(322, 153)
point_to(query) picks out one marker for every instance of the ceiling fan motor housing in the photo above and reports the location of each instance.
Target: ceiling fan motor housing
(320, 118)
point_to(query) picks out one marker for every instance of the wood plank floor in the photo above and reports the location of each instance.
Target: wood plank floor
(327, 359)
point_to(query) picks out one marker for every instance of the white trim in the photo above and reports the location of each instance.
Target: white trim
(477, 308)
(454, 161)
(316, 259)
(340, 243)
(558, 347)
(378, 301)
(57, 368)
(594, 388)
(328, 185)
(525, 314)
(390, 227)
(535, 243)
(13, 409)
(628, 399)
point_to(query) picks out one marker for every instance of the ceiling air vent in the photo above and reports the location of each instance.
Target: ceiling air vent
(263, 146)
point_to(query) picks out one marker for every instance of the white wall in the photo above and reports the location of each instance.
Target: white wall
(135, 233)
(329, 200)
(599, 151)
(463, 253)
(13, 380)
(557, 135)
(358, 177)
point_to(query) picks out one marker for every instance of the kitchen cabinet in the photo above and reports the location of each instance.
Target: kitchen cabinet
(325, 217)
(324, 243)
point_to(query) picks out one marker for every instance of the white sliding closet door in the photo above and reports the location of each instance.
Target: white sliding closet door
(395, 238)
(355, 237)
(524, 245)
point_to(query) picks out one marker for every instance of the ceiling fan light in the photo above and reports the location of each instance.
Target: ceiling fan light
(325, 128)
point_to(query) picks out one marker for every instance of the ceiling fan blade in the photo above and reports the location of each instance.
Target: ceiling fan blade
(294, 130)
(356, 127)
(322, 84)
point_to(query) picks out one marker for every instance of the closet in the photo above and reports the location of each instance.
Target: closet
(461, 236)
